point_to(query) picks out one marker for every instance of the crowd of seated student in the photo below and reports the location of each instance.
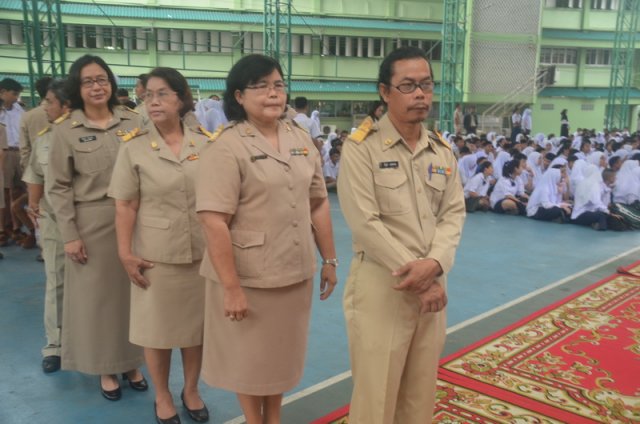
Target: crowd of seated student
(589, 178)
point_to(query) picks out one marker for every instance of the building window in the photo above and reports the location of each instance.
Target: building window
(565, 4)
(547, 106)
(11, 33)
(604, 4)
(552, 56)
(587, 106)
(433, 48)
(352, 46)
(598, 57)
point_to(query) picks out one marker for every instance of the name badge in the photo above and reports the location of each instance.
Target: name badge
(88, 138)
(258, 157)
(389, 165)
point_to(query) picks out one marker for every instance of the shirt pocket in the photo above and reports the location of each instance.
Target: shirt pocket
(392, 192)
(248, 252)
(435, 191)
(90, 157)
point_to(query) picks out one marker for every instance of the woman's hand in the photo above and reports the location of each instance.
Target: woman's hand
(135, 267)
(76, 251)
(328, 281)
(33, 211)
(235, 304)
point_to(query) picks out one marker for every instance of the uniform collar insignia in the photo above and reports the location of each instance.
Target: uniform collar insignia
(155, 146)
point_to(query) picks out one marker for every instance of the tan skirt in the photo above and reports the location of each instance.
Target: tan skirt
(95, 316)
(264, 353)
(170, 312)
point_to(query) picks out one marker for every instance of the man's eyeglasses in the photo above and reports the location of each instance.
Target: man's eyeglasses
(161, 95)
(264, 88)
(88, 82)
(410, 87)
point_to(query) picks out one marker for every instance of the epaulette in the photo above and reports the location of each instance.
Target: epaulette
(128, 136)
(297, 124)
(212, 135)
(44, 130)
(131, 110)
(62, 117)
(438, 137)
(365, 128)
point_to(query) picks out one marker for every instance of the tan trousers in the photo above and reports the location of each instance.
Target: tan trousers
(53, 254)
(394, 349)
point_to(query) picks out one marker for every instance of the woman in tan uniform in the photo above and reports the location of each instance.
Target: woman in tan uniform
(95, 317)
(261, 199)
(160, 242)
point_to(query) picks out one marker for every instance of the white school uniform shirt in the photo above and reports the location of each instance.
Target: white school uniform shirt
(627, 189)
(478, 184)
(504, 187)
(467, 166)
(11, 119)
(546, 194)
(331, 169)
(310, 124)
(592, 194)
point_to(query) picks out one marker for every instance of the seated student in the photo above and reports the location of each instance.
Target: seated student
(562, 155)
(331, 168)
(576, 175)
(598, 159)
(525, 179)
(466, 164)
(534, 165)
(476, 189)
(507, 197)
(545, 203)
(502, 158)
(593, 194)
(585, 149)
(626, 193)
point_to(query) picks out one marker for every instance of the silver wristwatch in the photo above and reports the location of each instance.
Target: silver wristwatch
(332, 261)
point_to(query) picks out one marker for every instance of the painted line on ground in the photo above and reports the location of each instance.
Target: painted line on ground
(347, 374)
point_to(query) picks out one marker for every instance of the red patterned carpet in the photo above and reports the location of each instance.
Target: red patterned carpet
(575, 361)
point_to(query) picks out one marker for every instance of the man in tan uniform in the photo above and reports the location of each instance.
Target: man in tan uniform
(403, 200)
(32, 122)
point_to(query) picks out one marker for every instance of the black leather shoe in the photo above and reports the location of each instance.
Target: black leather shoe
(198, 415)
(112, 395)
(140, 385)
(171, 420)
(50, 363)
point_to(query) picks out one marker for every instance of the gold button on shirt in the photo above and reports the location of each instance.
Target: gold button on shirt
(401, 205)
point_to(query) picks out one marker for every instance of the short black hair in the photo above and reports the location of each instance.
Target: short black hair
(613, 160)
(333, 151)
(510, 167)
(143, 79)
(41, 86)
(300, 102)
(403, 53)
(246, 71)
(10, 84)
(484, 165)
(57, 87)
(178, 83)
(549, 156)
(73, 81)
(122, 92)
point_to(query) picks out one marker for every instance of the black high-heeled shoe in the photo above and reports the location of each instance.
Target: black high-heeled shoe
(111, 395)
(198, 415)
(171, 420)
(140, 386)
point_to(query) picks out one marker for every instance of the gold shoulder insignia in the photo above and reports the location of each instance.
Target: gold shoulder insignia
(131, 110)
(212, 135)
(44, 130)
(136, 132)
(62, 117)
(365, 128)
(438, 137)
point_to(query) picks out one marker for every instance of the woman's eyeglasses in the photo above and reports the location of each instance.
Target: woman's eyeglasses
(264, 88)
(88, 82)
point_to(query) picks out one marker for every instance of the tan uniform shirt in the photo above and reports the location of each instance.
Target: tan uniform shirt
(81, 159)
(167, 228)
(36, 170)
(401, 205)
(31, 123)
(267, 192)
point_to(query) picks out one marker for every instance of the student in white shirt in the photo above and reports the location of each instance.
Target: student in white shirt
(585, 149)
(545, 203)
(593, 194)
(331, 169)
(476, 189)
(507, 197)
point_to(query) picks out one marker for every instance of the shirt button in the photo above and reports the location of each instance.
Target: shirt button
(286, 168)
(290, 186)
(293, 205)
(419, 190)
(416, 167)
(294, 223)
(296, 242)
(424, 216)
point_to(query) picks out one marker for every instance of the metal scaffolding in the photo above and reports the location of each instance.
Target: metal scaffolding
(622, 64)
(454, 30)
(44, 39)
(277, 31)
